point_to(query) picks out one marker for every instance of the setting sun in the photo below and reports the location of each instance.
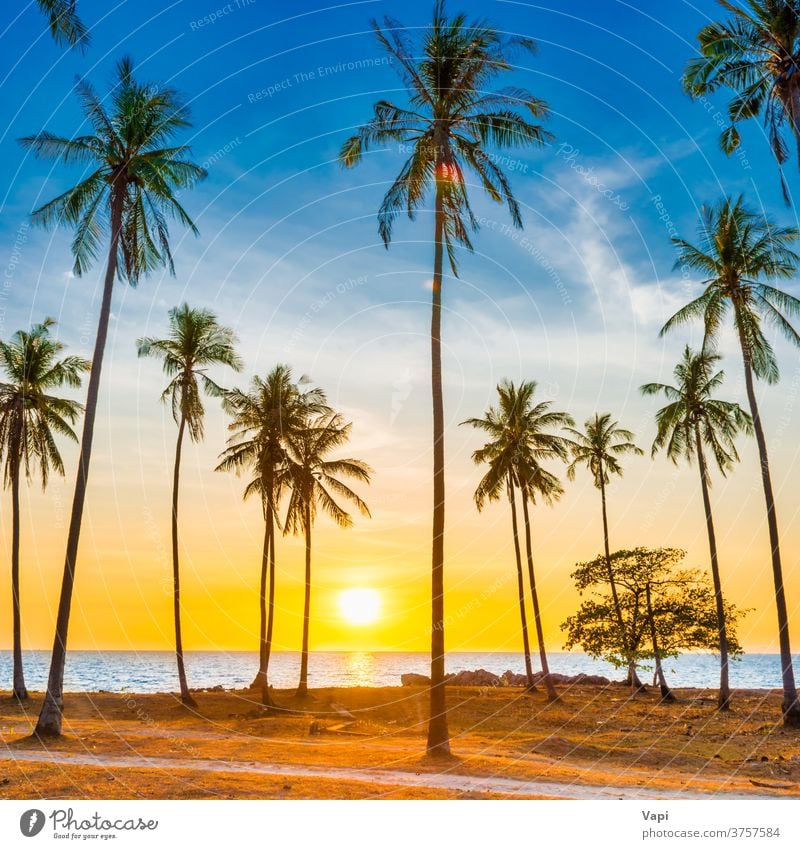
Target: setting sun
(360, 606)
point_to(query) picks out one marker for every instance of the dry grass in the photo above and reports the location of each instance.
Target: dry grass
(592, 736)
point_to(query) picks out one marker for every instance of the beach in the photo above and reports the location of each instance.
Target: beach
(595, 742)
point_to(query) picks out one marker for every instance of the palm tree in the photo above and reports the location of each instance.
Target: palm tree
(598, 448)
(196, 341)
(500, 454)
(265, 419)
(519, 442)
(315, 483)
(131, 196)
(755, 54)
(64, 24)
(738, 252)
(692, 419)
(451, 120)
(30, 418)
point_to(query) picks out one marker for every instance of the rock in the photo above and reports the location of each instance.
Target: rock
(596, 680)
(513, 679)
(516, 679)
(478, 678)
(414, 679)
(567, 680)
(483, 678)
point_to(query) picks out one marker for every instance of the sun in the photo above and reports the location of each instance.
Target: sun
(360, 606)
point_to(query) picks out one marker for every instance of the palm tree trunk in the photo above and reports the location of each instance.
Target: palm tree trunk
(258, 681)
(526, 646)
(724, 700)
(552, 695)
(666, 693)
(186, 697)
(266, 698)
(302, 688)
(438, 734)
(19, 691)
(633, 679)
(50, 716)
(791, 705)
(265, 631)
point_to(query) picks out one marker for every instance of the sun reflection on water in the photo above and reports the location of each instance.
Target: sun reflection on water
(360, 669)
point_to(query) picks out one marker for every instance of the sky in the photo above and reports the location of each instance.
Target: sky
(289, 256)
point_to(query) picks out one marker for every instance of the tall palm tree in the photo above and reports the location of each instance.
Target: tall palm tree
(451, 121)
(30, 419)
(195, 341)
(316, 483)
(130, 196)
(64, 24)
(519, 441)
(265, 419)
(738, 252)
(598, 448)
(538, 483)
(500, 455)
(692, 419)
(756, 54)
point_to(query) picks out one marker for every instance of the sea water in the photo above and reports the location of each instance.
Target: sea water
(154, 671)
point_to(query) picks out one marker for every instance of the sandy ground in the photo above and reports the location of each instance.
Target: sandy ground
(594, 743)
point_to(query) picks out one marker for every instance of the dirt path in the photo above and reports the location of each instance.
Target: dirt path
(440, 781)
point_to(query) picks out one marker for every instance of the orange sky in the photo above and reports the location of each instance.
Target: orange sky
(122, 597)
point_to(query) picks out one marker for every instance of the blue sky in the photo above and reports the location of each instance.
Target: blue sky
(273, 98)
(289, 255)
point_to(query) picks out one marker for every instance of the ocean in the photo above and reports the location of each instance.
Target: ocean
(154, 671)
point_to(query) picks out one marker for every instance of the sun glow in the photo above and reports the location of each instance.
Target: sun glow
(360, 606)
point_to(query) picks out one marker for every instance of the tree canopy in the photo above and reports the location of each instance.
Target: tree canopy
(683, 608)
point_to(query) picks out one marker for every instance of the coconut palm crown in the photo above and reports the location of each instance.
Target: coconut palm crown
(737, 251)
(30, 419)
(64, 23)
(29, 414)
(451, 120)
(196, 341)
(755, 53)
(135, 178)
(693, 410)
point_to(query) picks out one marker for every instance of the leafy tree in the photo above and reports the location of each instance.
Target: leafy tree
(692, 422)
(30, 419)
(738, 252)
(685, 618)
(450, 123)
(129, 197)
(598, 448)
(196, 341)
(665, 610)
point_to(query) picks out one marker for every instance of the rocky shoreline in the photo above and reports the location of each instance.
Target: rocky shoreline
(483, 678)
